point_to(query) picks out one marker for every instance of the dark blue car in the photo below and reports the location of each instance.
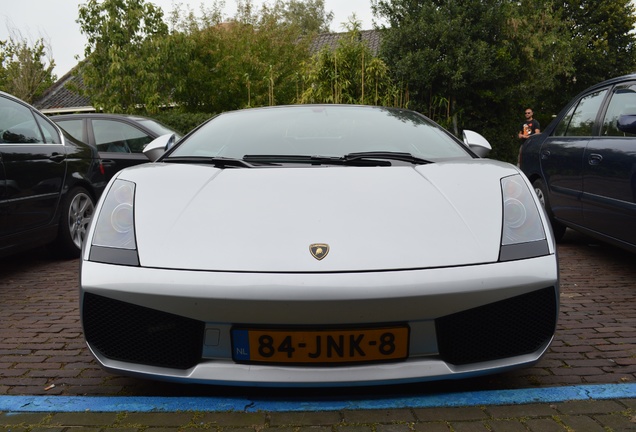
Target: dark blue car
(583, 165)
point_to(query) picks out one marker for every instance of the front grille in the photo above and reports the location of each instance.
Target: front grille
(136, 334)
(511, 327)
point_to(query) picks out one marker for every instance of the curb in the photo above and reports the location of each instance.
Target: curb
(70, 404)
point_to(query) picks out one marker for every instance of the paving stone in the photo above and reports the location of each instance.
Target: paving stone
(617, 422)
(506, 426)
(450, 414)
(41, 429)
(158, 419)
(524, 410)
(582, 423)
(353, 428)
(233, 419)
(431, 427)
(589, 407)
(393, 427)
(304, 418)
(313, 429)
(378, 416)
(7, 419)
(629, 403)
(84, 419)
(544, 425)
(470, 427)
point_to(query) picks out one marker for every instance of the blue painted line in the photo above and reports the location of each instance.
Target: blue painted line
(14, 404)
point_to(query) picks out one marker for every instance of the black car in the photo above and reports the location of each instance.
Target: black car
(49, 182)
(120, 139)
(583, 166)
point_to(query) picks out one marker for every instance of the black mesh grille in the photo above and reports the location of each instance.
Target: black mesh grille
(511, 327)
(136, 334)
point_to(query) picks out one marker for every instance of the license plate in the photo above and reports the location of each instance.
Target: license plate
(320, 346)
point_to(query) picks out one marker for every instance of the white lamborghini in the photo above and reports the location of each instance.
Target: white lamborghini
(318, 245)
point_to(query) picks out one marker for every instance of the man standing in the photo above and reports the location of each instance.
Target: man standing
(527, 129)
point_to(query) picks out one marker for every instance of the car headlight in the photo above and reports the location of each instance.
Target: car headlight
(522, 235)
(114, 236)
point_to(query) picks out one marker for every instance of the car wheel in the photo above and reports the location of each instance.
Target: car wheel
(558, 229)
(77, 213)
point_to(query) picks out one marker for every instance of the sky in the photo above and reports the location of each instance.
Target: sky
(54, 21)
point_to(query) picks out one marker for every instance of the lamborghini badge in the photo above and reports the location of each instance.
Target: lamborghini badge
(319, 250)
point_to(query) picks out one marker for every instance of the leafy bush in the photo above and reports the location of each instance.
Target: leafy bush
(183, 122)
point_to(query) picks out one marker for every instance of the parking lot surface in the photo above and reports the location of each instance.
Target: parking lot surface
(42, 351)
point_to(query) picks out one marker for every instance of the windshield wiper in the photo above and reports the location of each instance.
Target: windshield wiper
(283, 158)
(217, 161)
(373, 158)
(375, 155)
(315, 160)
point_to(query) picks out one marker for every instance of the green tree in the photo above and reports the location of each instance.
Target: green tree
(603, 44)
(200, 62)
(475, 63)
(26, 70)
(124, 67)
(251, 60)
(349, 74)
(308, 15)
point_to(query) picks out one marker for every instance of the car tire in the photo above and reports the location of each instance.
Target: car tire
(77, 212)
(558, 229)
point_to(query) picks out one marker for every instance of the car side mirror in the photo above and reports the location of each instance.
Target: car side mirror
(477, 143)
(627, 123)
(157, 147)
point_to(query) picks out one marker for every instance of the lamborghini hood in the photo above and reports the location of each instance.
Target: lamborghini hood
(364, 218)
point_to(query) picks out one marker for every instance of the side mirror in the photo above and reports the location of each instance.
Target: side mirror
(627, 123)
(476, 143)
(157, 147)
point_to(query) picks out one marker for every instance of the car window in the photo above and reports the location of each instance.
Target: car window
(116, 136)
(581, 120)
(623, 102)
(562, 127)
(73, 127)
(17, 124)
(51, 134)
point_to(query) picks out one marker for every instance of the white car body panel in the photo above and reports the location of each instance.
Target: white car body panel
(419, 216)
(229, 373)
(223, 299)
(347, 298)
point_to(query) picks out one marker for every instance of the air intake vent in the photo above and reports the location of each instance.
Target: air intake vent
(136, 334)
(516, 326)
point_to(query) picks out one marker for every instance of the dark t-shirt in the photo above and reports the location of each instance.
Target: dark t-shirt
(528, 127)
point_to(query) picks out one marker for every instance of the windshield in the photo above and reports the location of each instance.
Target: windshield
(329, 131)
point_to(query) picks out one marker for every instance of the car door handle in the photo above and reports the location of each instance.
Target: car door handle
(57, 157)
(545, 154)
(594, 159)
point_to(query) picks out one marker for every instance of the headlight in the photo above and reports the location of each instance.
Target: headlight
(114, 237)
(522, 235)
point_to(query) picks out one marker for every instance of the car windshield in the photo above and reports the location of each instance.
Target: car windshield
(325, 131)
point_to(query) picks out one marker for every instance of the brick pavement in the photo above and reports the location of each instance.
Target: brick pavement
(41, 341)
(584, 416)
(42, 351)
